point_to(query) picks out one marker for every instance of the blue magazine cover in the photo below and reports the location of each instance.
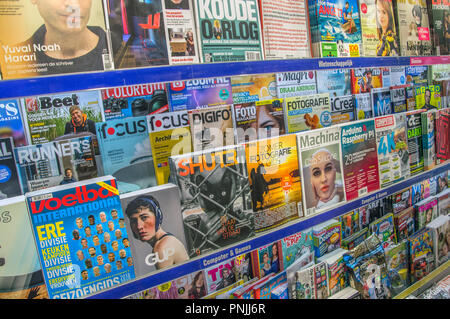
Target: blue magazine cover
(381, 101)
(126, 152)
(199, 93)
(11, 122)
(81, 237)
(336, 82)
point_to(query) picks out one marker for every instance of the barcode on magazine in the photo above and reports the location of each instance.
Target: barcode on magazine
(107, 64)
(41, 197)
(252, 55)
(362, 191)
(310, 211)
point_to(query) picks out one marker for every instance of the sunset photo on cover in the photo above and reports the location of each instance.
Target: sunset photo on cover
(52, 37)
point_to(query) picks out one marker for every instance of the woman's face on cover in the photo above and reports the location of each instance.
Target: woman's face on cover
(143, 224)
(267, 122)
(64, 15)
(323, 175)
(382, 16)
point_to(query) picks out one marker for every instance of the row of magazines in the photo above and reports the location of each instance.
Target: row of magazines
(117, 34)
(78, 239)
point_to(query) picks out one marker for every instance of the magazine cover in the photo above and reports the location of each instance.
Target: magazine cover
(200, 93)
(296, 83)
(442, 122)
(384, 229)
(295, 246)
(421, 255)
(258, 120)
(211, 127)
(252, 88)
(398, 98)
(335, 267)
(126, 152)
(335, 82)
(349, 223)
(417, 75)
(397, 266)
(285, 29)
(11, 122)
(21, 273)
(400, 200)
(367, 269)
(426, 211)
(392, 146)
(413, 27)
(304, 283)
(191, 286)
(304, 261)
(327, 237)
(342, 109)
(363, 106)
(440, 229)
(444, 202)
(378, 28)
(228, 32)
(56, 163)
(264, 290)
(338, 25)
(360, 160)
(438, 11)
(215, 198)
(355, 239)
(405, 223)
(272, 166)
(152, 216)
(428, 97)
(52, 38)
(134, 100)
(321, 169)
(410, 92)
(309, 112)
(169, 135)
(365, 79)
(70, 223)
(267, 259)
(60, 116)
(152, 33)
(381, 101)
(415, 141)
(321, 280)
(397, 75)
(10, 185)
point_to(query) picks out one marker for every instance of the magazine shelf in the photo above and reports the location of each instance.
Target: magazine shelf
(97, 80)
(202, 262)
(426, 282)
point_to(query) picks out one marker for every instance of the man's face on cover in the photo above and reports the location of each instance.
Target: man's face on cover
(64, 16)
(427, 97)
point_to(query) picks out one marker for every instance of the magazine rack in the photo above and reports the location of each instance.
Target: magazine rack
(99, 80)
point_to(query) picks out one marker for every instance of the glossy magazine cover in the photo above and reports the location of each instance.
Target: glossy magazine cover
(415, 141)
(61, 116)
(252, 88)
(163, 243)
(342, 109)
(335, 82)
(56, 163)
(320, 156)
(295, 246)
(272, 166)
(428, 97)
(392, 147)
(134, 100)
(215, 198)
(52, 37)
(296, 83)
(200, 93)
(363, 106)
(228, 37)
(365, 79)
(438, 13)
(126, 152)
(21, 273)
(82, 243)
(10, 185)
(360, 161)
(11, 123)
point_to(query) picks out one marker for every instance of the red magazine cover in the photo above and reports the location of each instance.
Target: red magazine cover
(442, 135)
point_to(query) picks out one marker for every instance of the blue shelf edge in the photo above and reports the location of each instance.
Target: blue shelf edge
(199, 263)
(158, 74)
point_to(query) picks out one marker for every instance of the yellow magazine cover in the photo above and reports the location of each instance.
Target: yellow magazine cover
(252, 88)
(428, 97)
(272, 166)
(307, 112)
(44, 37)
(169, 135)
